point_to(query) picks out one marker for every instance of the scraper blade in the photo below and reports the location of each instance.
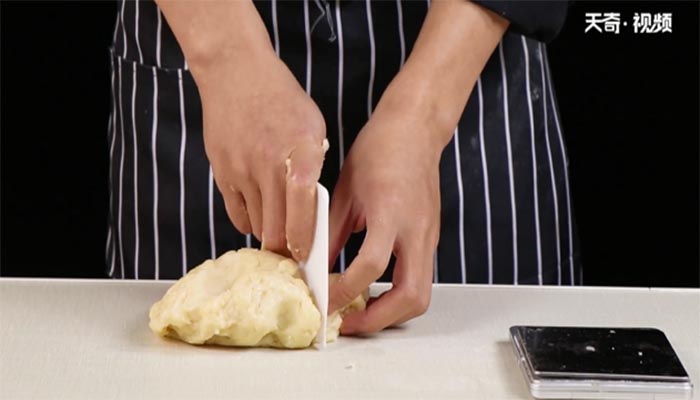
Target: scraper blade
(315, 269)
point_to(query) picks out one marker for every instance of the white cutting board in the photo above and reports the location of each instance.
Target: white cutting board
(90, 340)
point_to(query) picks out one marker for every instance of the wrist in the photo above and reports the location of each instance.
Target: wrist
(231, 63)
(412, 96)
(421, 125)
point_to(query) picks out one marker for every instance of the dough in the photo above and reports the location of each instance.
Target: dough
(244, 298)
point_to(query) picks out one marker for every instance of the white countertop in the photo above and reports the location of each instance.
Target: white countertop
(89, 339)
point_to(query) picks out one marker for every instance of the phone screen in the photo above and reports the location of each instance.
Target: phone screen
(600, 351)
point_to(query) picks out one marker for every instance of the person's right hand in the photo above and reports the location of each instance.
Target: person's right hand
(265, 139)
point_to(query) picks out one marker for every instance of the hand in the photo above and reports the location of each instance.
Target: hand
(389, 185)
(390, 181)
(265, 139)
(264, 136)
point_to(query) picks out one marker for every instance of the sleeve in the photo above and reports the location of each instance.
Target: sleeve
(541, 20)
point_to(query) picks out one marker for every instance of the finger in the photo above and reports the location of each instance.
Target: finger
(377, 316)
(236, 210)
(339, 220)
(408, 298)
(303, 171)
(419, 305)
(367, 267)
(253, 203)
(273, 217)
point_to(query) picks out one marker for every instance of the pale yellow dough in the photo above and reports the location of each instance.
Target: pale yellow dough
(244, 298)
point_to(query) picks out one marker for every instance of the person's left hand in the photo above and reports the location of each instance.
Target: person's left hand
(389, 185)
(390, 182)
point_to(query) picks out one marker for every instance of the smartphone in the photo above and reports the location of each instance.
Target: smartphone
(599, 363)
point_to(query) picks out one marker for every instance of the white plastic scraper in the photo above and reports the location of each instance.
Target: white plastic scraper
(315, 269)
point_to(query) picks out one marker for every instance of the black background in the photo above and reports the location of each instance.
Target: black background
(629, 106)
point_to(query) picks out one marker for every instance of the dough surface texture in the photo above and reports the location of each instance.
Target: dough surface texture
(244, 298)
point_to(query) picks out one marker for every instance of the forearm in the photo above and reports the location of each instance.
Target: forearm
(217, 34)
(454, 44)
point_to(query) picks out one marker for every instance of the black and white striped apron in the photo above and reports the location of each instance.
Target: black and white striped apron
(506, 208)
